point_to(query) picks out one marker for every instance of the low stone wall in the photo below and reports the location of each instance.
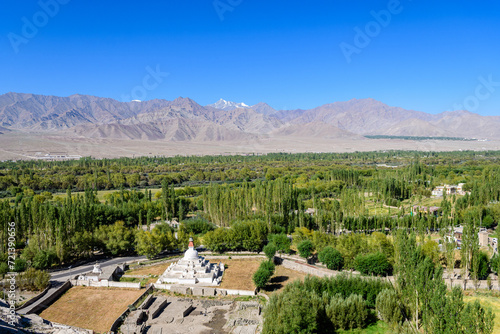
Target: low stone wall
(106, 284)
(305, 268)
(158, 308)
(50, 299)
(320, 272)
(36, 298)
(203, 290)
(147, 302)
(162, 286)
(240, 292)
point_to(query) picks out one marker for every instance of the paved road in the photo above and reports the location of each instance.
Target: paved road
(64, 275)
(58, 278)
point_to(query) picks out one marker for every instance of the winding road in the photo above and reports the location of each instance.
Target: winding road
(58, 278)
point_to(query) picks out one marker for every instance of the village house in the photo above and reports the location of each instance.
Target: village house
(450, 190)
(433, 210)
(484, 238)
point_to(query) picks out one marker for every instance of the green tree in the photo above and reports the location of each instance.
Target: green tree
(282, 242)
(117, 238)
(295, 311)
(270, 250)
(389, 308)
(306, 248)
(373, 264)
(332, 258)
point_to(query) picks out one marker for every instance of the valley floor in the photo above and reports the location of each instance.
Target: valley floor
(20, 145)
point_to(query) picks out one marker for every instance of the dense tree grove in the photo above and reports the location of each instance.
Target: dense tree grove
(366, 211)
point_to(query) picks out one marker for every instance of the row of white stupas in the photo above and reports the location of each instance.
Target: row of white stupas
(192, 269)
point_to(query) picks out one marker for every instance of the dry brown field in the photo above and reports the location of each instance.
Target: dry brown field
(238, 274)
(156, 269)
(91, 308)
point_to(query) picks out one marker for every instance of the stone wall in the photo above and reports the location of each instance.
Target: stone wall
(305, 268)
(50, 299)
(118, 322)
(36, 298)
(320, 272)
(106, 284)
(203, 290)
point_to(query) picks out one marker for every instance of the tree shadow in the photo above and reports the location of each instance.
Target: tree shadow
(275, 283)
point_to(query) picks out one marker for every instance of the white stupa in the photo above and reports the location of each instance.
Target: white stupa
(192, 269)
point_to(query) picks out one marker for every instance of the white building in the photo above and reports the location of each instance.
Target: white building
(450, 190)
(192, 269)
(97, 274)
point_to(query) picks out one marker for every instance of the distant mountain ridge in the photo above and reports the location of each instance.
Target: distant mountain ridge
(183, 119)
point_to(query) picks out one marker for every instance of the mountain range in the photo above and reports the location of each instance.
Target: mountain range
(183, 119)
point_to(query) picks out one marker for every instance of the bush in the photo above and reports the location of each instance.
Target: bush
(20, 265)
(347, 313)
(270, 250)
(331, 258)
(375, 263)
(306, 248)
(4, 268)
(388, 308)
(33, 280)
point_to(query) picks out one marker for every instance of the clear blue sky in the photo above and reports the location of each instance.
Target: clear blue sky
(429, 57)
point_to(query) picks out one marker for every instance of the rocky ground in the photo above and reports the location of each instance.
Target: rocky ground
(32, 323)
(187, 316)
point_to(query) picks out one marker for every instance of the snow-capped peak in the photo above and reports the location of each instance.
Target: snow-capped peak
(228, 105)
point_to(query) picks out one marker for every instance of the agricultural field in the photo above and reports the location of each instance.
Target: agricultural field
(91, 308)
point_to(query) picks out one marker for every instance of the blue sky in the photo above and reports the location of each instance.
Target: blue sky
(422, 55)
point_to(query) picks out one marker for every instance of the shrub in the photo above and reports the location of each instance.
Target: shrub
(33, 280)
(4, 268)
(388, 308)
(375, 263)
(331, 258)
(20, 265)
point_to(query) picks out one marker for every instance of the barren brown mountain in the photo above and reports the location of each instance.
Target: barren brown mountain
(185, 120)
